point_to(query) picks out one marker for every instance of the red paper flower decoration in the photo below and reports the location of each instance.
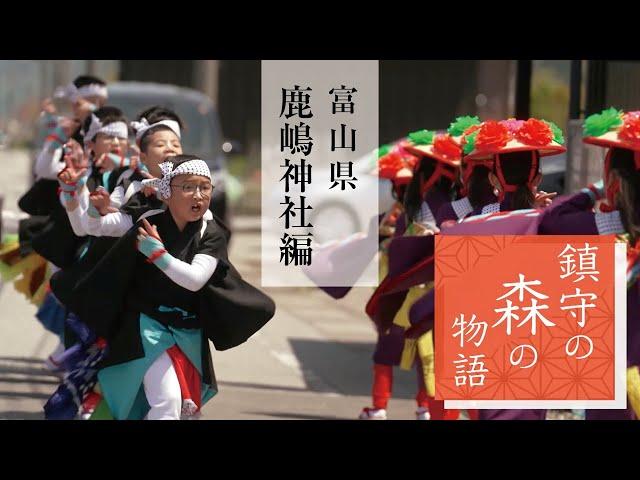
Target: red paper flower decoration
(389, 165)
(630, 130)
(446, 146)
(535, 132)
(491, 136)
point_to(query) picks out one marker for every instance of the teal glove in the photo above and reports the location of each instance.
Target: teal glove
(68, 190)
(57, 138)
(119, 161)
(153, 249)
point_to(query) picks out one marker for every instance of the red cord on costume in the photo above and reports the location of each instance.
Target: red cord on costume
(440, 171)
(156, 255)
(506, 187)
(468, 171)
(54, 137)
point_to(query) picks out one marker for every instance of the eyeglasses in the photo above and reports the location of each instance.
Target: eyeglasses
(205, 189)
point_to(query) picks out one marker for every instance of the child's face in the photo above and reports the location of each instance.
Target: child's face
(97, 100)
(162, 144)
(83, 106)
(190, 196)
(103, 143)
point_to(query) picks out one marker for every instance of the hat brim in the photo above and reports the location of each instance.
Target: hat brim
(402, 176)
(428, 151)
(515, 146)
(611, 140)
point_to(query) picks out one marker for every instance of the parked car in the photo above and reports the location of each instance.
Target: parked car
(333, 217)
(341, 215)
(201, 136)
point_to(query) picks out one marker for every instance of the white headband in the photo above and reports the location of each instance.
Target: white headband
(192, 167)
(114, 129)
(143, 125)
(72, 93)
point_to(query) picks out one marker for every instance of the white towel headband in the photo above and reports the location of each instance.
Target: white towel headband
(143, 126)
(191, 167)
(72, 93)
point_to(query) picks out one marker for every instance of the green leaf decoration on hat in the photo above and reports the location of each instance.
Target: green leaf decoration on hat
(384, 149)
(460, 124)
(600, 123)
(558, 136)
(470, 144)
(422, 137)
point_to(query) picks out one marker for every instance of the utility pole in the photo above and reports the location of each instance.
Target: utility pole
(575, 90)
(523, 89)
(206, 78)
(91, 67)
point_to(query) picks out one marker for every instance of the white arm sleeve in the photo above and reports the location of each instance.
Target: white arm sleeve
(78, 214)
(191, 276)
(83, 199)
(110, 225)
(48, 164)
(117, 197)
(76, 218)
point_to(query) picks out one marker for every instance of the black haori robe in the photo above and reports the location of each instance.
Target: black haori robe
(51, 235)
(111, 297)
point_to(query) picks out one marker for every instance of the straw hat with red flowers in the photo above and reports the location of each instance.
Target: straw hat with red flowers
(458, 129)
(614, 128)
(441, 147)
(492, 138)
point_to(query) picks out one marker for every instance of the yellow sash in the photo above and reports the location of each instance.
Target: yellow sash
(427, 357)
(633, 389)
(402, 320)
